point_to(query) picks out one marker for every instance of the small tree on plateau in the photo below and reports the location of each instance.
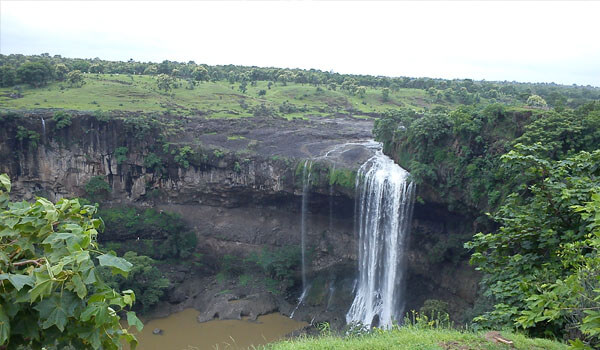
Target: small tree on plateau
(200, 74)
(61, 71)
(164, 82)
(34, 73)
(536, 101)
(50, 292)
(75, 78)
(385, 94)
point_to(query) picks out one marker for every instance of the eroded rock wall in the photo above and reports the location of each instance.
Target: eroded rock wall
(236, 202)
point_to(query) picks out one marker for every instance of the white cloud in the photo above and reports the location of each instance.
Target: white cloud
(524, 41)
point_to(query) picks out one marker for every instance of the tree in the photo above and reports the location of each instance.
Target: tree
(200, 74)
(8, 76)
(144, 279)
(50, 292)
(243, 87)
(96, 68)
(361, 91)
(75, 78)
(80, 65)
(164, 82)
(542, 267)
(61, 71)
(262, 92)
(151, 70)
(536, 101)
(34, 73)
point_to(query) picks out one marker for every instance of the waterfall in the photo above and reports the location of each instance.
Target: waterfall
(330, 298)
(305, 194)
(383, 214)
(300, 300)
(43, 127)
(331, 178)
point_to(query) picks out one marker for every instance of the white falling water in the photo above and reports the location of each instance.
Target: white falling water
(43, 127)
(305, 193)
(331, 177)
(384, 210)
(300, 300)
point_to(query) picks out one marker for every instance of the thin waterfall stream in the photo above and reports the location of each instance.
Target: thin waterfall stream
(384, 202)
(306, 172)
(303, 226)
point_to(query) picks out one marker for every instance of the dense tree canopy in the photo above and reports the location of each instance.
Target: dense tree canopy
(541, 268)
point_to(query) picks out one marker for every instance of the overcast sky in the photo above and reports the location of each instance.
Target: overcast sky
(523, 41)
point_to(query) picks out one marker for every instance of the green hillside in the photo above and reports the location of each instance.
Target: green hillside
(218, 99)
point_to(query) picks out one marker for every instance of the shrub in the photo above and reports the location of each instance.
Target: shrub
(435, 310)
(121, 154)
(182, 156)
(62, 120)
(97, 187)
(144, 279)
(30, 137)
(153, 162)
(279, 264)
(161, 234)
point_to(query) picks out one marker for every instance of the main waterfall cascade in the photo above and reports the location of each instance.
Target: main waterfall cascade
(384, 202)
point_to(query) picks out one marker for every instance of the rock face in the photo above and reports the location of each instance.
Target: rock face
(228, 307)
(241, 190)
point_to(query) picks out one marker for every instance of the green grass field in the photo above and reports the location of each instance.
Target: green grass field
(216, 100)
(411, 338)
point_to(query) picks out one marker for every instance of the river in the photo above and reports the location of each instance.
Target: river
(181, 331)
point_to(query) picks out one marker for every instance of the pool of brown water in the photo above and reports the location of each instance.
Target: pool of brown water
(181, 331)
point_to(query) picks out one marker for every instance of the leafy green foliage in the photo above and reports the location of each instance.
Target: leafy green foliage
(153, 162)
(458, 153)
(28, 137)
(536, 101)
(96, 187)
(279, 264)
(182, 156)
(8, 76)
(62, 120)
(146, 281)
(164, 82)
(121, 154)
(35, 73)
(565, 133)
(75, 78)
(342, 177)
(161, 234)
(541, 267)
(50, 292)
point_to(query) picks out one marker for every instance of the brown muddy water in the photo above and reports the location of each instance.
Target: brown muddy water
(181, 331)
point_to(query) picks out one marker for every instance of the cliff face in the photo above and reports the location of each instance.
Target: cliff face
(240, 192)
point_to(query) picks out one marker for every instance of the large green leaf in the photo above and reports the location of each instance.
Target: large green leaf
(133, 320)
(18, 281)
(119, 265)
(5, 181)
(55, 310)
(79, 287)
(43, 286)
